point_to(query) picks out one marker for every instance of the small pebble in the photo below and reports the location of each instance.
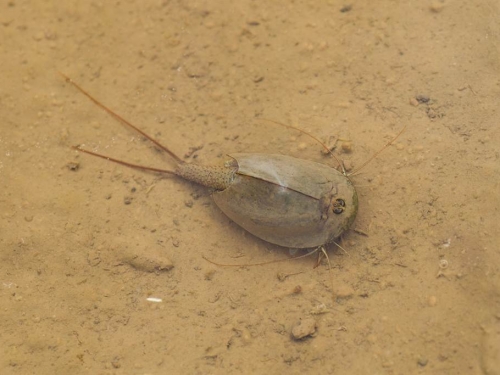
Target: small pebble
(145, 260)
(436, 7)
(422, 361)
(414, 102)
(245, 336)
(319, 309)
(343, 291)
(297, 289)
(209, 275)
(432, 301)
(217, 95)
(281, 276)
(116, 363)
(422, 98)
(302, 146)
(347, 147)
(431, 113)
(73, 166)
(39, 36)
(304, 328)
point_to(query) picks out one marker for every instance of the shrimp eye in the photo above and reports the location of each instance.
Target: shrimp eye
(338, 206)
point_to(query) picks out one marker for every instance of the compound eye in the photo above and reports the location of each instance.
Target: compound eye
(338, 206)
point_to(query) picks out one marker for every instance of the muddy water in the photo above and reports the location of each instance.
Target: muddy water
(101, 266)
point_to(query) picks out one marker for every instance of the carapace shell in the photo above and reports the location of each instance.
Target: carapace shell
(284, 200)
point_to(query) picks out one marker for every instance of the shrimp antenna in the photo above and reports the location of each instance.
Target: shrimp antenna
(261, 263)
(378, 152)
(122, 120)
(309, 135)
(131, 165)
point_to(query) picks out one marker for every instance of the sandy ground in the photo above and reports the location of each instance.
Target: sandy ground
(84, 242)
